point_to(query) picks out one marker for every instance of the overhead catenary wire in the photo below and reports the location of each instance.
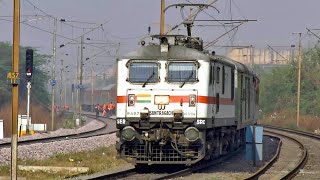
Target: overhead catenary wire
(222, 24)
(47, 31)
(51, 16)
(190, 16)
(217, 39)
(278, 53)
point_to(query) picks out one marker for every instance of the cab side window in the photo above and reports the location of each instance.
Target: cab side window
(218, 75)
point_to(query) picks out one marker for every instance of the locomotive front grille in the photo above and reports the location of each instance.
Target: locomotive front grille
(166, 154)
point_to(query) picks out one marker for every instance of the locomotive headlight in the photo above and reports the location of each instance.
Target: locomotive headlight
(192, 100)
(192, 134)
(131, 100)
(161, 99)
(128, 133)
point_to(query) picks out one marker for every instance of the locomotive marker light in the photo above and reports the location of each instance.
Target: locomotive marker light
(131, 99)
(192, 100)
(128, 133)
(192, 134)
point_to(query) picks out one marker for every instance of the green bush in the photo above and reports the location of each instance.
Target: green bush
(278, 86)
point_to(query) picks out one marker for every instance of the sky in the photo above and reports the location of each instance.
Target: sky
(127, 21)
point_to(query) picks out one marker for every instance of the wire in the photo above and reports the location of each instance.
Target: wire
(133, 37)
(53, 17)
(238, 9)
(34, 6)
(72, 40)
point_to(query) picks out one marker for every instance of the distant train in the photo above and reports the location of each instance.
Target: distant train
(179, 104)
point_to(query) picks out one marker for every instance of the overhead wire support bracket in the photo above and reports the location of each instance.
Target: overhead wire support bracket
(217, 39)
(193, 14)
(199, 5)
(226, 20)
(313, 33)
(285, 59)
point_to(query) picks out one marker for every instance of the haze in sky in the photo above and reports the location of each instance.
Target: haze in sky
(128, 20)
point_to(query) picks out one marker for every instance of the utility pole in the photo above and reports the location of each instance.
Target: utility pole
(92, 106)
(81, 72)
(65, 94)
(299, 79)
(77, 83)
(15, 89)
(60, 93)
(162, 17)
(251, 56)
(53, 71)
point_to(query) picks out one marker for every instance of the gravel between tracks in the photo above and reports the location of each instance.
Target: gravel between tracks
(37, 151)
(237, 167)
(40, 151)
(92, 125)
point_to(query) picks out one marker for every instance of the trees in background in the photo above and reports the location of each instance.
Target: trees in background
(40, 78)
(279, 85)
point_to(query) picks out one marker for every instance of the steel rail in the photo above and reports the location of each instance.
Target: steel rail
(298, 132)
(303, 160)
(133, 171)
(190, 170)
(86, 134)
(264, 168)
(116, 175)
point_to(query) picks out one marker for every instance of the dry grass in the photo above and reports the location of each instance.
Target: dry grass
(39, 114)
(98, 160)
(287, 118)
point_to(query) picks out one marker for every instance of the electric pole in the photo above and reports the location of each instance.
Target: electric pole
(60, 93)
(92, 106)
(81, 72)
(251, 56)
(15, 90)
(53, 81)
(162, 17)
(299, 79)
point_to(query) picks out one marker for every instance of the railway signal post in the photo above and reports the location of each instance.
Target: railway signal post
(29, 70)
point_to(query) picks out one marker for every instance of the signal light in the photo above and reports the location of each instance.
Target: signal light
(29, 64)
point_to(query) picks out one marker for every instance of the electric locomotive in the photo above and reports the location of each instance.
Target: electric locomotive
(179, 104)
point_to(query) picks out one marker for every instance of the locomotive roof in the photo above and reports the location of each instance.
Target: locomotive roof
(151, 52)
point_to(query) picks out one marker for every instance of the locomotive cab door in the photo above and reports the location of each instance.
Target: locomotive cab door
(242, 98)
(218, 87)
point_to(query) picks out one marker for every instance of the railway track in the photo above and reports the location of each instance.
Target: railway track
(283, 165)
(158, 172)
(107, 128)
(309, 164)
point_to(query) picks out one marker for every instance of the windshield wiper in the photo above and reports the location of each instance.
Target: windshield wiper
(150, 77)
(184, 82)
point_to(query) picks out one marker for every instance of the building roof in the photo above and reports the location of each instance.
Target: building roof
(106, 88)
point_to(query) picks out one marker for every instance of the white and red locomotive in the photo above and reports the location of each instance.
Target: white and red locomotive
(179, 104)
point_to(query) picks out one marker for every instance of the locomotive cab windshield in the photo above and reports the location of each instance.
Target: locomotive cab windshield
(182, 72)
(143, 72)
